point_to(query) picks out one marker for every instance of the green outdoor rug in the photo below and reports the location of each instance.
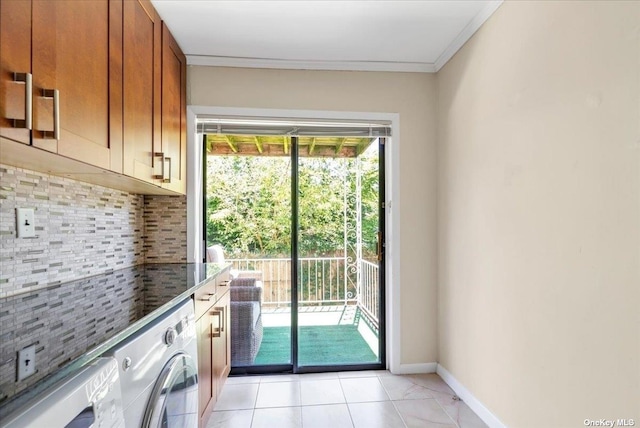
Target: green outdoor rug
(319, 345)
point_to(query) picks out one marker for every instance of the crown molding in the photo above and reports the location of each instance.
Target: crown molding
(403, 67)
(466, 33)
(220, 61)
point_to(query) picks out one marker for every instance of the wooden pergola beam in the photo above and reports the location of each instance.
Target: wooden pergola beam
(312, 145)
(231, 143)
(362, 146)
(340, 145)
(258, 144)
(209, 142)
(285, 141)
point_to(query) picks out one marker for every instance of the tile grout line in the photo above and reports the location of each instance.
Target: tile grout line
(353, 424)
(447, 413)
(255, 403)
(393, 403)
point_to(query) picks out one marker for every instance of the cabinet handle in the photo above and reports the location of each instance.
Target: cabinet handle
(163, 160)
(209, 298)
(216, 332)
(161, 156)
(55, 94)
(168, 178)
(27, 78)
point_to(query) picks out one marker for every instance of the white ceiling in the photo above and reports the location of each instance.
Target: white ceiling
(416, 35)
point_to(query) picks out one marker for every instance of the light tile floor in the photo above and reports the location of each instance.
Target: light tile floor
(366, 399)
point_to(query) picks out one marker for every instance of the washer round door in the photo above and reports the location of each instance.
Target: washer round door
(174, 398)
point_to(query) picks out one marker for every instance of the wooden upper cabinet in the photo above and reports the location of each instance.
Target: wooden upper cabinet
(102, 82)
(142, 80)
(174, 111)
(71, 79)
(63, 47)
(15, 69)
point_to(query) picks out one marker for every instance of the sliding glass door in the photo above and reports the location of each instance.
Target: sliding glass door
(339, 226)
(308, 209)
(248, 217)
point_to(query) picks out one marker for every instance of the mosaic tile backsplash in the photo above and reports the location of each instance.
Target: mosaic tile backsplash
(82, 230)
(61, 331)
(165, 229)
(103, 306)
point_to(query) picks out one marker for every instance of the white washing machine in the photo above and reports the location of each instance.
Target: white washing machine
(159, 372)
(88, 399)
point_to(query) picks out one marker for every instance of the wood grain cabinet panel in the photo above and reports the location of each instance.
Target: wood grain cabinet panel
(15, 57)
(174, 112)
(70, 59)
(222, 348)
(67, 48)
(142, 80)
(206, 388)
(214, 348)
(99, 86)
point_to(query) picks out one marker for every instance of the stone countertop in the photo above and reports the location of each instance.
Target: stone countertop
(73, 323)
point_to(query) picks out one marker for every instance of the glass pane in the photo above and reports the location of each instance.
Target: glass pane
(181, 401)
(248, 214)
(337, 267)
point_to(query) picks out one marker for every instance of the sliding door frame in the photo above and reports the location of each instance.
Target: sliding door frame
(392, 250)
(382, 363)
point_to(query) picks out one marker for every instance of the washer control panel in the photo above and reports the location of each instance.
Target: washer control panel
(91, 398)
(170, 336)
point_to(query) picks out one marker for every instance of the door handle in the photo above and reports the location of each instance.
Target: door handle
(216, 332)
(167, 179)
(211, 296)
(55, 94)
(161, 156)
(163, 161)
(27, 78)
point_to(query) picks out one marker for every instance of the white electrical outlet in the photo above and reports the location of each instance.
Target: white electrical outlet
(25, 220)
(26, 362)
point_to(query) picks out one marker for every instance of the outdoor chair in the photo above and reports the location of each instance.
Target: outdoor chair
(215, 254)
(246, 320)
(246, 310)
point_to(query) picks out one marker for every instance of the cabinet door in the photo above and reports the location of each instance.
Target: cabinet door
(15, 46)
(221, 348)
(142, 48)
(174, 111)
(206, 387)
(70, 64)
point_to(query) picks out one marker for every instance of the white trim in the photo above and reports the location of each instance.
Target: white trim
(391, 66)
(415, 368)
(226, 61)
(466, 33)
(194, 187)
(392, 192)
(471, 401)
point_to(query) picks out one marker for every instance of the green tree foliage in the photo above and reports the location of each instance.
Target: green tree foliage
(249, 205)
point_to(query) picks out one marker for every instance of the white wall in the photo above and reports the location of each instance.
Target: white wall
(539, 213)
(410, 95)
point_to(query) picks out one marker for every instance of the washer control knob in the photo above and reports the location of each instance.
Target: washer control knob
(170, 336)
(126, 364)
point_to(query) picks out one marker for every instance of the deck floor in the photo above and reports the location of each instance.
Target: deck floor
(274, 319)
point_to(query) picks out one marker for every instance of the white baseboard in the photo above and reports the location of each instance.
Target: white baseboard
(415, 368)
(471, 401)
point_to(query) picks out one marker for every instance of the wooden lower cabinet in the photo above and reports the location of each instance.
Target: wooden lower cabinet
(214, 354)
